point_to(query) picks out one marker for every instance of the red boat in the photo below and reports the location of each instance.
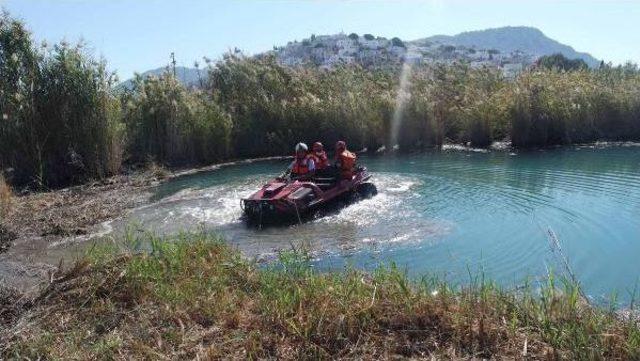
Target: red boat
(283, 200)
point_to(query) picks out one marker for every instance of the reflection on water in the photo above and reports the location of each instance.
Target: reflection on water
(445, 212)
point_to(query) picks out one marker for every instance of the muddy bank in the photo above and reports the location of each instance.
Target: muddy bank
(53, 215)
(37, 220)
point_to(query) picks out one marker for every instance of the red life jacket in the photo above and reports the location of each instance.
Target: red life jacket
(347, 161)
(321, 160)
(301, 166)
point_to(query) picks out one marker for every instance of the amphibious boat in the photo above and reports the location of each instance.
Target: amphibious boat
(283, 200)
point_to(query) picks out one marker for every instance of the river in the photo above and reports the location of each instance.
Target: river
(456, 214)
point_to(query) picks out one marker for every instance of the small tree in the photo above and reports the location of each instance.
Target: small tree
(561, 62)
(397, 42)
(368, 37)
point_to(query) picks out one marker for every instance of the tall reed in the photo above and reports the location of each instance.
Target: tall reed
(62, 122)
(6, 198)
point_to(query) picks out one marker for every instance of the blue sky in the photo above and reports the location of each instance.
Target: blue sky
(139, 35)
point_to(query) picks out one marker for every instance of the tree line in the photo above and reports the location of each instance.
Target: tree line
(64, 120)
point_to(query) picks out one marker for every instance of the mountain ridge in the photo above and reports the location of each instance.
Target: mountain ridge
(531, 40)
(189, 77)
(517, 44)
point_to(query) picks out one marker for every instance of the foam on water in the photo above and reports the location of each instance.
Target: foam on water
(386, 218)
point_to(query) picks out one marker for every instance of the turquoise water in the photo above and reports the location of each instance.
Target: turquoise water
(451, 213)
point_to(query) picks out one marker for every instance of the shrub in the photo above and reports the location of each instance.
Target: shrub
(560, 62)
(397, 42)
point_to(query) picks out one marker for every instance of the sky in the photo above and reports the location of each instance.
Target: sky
(138, 35)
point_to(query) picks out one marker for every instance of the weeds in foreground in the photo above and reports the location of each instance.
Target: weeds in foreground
(6, 197)
(192, 296)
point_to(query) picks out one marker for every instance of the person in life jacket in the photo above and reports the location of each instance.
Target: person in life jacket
(303, 165)
(319, 156)
(345, 160)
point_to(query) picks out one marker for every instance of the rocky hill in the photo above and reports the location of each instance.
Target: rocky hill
(510, 49)
(512, 38)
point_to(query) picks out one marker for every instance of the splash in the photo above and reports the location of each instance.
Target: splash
(401, 100)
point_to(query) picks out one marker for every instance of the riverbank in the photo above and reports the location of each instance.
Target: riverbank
(56, 214)
(53, 215)
(194, 297)
(33, 222)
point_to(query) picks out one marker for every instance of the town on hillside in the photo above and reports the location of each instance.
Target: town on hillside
(328, 51)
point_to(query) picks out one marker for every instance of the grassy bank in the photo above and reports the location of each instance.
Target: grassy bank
(192, 296)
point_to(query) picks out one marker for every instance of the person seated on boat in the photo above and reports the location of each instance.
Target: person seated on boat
(345, 161)
(303, 166)
(319, 157)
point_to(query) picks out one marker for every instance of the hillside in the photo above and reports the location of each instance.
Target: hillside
(512, 38)
(187, 76)
(510, 49)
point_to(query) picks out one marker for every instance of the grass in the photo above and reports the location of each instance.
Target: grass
(6, 197)
(194, 297)
(6, 204)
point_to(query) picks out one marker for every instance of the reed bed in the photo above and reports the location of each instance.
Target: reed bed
(64, 120)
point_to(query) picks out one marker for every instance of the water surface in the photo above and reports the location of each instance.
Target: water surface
(451, 213)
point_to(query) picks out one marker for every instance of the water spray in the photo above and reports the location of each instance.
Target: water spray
(402, 97)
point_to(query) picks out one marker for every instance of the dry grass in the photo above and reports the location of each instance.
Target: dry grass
(6, 197)
(72, 211)
(156, 170)
(194, 297)
(6, 204)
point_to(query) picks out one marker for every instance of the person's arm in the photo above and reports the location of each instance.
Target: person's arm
(287, 172)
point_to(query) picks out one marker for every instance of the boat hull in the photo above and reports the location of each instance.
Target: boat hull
(295, 201)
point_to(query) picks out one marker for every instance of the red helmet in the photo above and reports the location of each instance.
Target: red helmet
(341, 145)
(317, 147)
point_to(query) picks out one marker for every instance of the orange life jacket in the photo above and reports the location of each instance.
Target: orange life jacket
(301, 166)
(347, 161)
(321, 160)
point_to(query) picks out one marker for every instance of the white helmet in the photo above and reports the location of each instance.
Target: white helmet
(301, 146)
